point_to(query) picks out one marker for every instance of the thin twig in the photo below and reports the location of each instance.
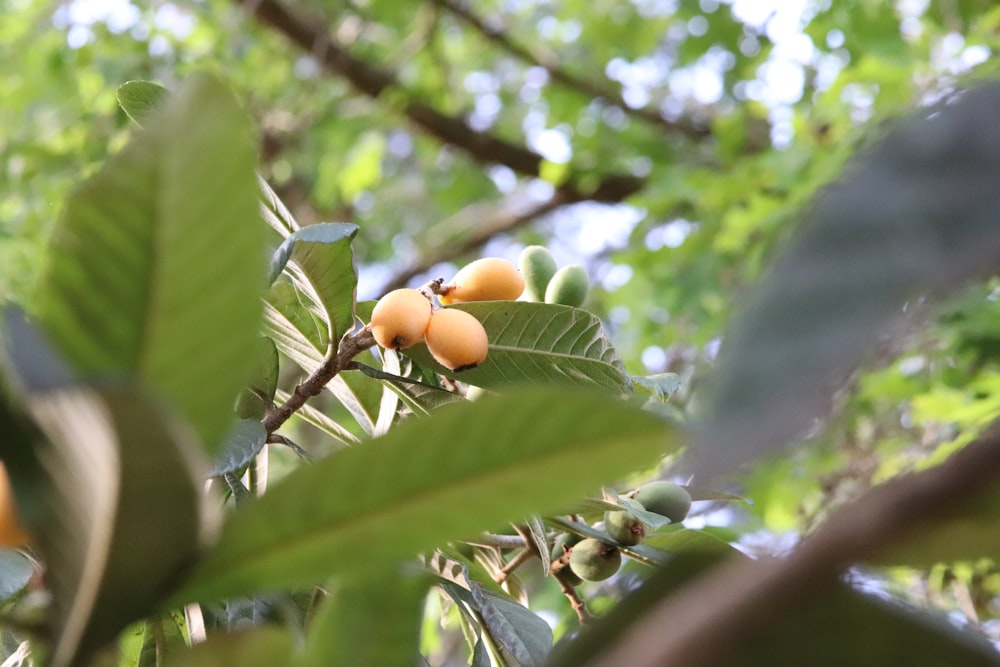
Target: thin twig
(519, 559)
(351, 346)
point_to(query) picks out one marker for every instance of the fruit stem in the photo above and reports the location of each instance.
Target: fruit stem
(519, 559)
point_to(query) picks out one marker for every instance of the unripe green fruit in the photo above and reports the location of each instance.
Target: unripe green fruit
(625, 527)
(564, 543)
(594, 560)
(400, 318)
(569, 286)
(665, 498)
(537, 267)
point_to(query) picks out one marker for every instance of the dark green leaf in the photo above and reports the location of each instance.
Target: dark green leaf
(152, 274)
(322, 265)
(138, 99)
(243, 443)
(539, 343)
(118, 466)
(520, 634)
(262, 384)
(461, 470)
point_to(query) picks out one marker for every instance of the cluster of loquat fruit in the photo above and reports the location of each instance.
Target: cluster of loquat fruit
(456, 339)
(576, 559)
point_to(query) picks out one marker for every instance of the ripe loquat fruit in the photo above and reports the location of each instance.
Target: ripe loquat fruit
(456, 339)
(400, 318)
(486, 279)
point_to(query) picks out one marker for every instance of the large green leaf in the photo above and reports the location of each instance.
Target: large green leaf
(459, 471)
(916, 215)
(539, 343)
(115, 463)
(156, 268)
(340, 633)
(322, 265)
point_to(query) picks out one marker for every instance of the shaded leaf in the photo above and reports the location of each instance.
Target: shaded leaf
(15, 571)
(914, 215)
(539, 343)
(661, 385)
(521, 636)
(536, 531)
(244, 442)
(138, 99)
(266, 646)
(262, 383)
(124, 292)
(322, 265)
(463, 469)
(391, 601)
(274, 212)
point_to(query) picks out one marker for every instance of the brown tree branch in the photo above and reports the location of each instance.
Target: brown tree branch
(462, 10)
(485, 226)
(484, 147)
(711, 615)
(336, 360)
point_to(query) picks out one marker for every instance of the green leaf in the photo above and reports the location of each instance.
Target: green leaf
(15, 571)
(323, 262)
(264, 646)
(243, 443)
(155, 267)
(391, 601)
(117, 467)
(660, 385)
(520, 635)
(539, 343)
(263, 381)
(914, 216)
(453, 474)
(536, 531)
(138, 99)
(421, 397)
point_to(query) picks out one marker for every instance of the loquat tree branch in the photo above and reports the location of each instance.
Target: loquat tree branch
(339, 358)
(708, 617)
(314, 38)
(463, 11)
(481, 225)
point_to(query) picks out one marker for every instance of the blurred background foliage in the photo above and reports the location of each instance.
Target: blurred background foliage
(723, 118)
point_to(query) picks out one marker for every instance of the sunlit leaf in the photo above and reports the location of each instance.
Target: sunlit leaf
(151, 274)
(539, 343)
(455, 473)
